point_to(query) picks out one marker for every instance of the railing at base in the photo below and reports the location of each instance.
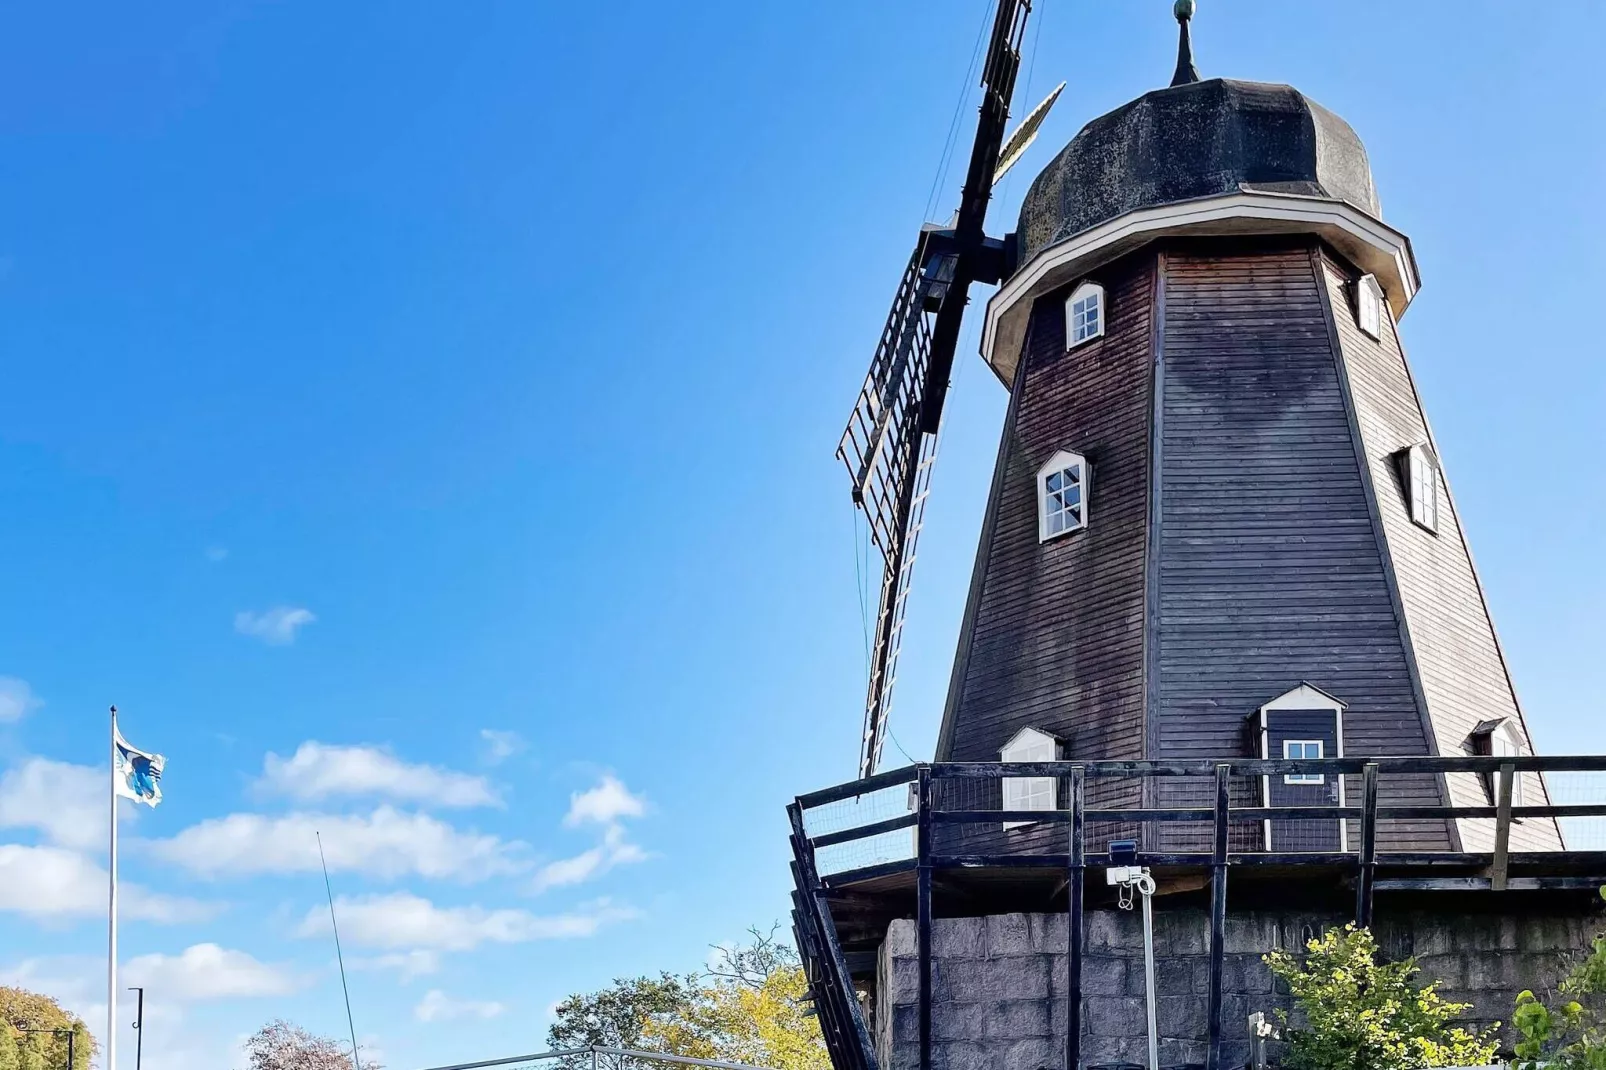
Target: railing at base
(595, 1050)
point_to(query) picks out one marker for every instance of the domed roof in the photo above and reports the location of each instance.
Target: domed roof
(1198, 139)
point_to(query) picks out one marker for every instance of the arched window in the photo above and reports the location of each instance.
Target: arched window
(1084, 314)
(1029, 792)
(1063, 485)
(1369, 306)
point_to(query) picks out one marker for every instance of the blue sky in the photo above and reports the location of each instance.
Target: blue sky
(418, 419)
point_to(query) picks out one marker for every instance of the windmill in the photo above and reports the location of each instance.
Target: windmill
(890, 441)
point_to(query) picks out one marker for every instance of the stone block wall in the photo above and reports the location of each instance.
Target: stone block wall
(999, 982)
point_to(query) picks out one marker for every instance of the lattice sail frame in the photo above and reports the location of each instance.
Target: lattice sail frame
(889, 460)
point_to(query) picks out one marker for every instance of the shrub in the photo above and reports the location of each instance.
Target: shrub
(1573, 1035)
(1362, 1014)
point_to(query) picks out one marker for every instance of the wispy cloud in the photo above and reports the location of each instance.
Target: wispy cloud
(497, 745)
(53, 882)
(405, 920)
(319, 771)
(17, 699)
(614, 850)
(216, 553)
(406, 964)
(437, 1006)
(387, 843)
(604, 804)
(207, 972)
(276, 626)
(65, 802)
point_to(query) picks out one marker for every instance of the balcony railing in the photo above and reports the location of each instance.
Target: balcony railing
(942, 816)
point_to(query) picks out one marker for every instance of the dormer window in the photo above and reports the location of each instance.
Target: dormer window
(1084, 314)
(1369, 306)
(1499, 738)
(1029, 792)
(1062, 489)
(1419, 470)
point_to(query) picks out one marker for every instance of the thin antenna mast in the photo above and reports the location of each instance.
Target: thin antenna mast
(356, 1065)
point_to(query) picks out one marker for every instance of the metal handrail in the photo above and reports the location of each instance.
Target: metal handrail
(599, 1049)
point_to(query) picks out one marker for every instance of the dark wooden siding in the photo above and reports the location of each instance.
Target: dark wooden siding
(1270, 571)
(1054, 638)
(1057, 637)
(1463, 674)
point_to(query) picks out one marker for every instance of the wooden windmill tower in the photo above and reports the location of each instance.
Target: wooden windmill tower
(1219, 526)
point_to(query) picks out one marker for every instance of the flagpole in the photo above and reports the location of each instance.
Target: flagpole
(111, 918)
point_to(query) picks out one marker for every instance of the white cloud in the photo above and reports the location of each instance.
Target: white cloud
(276, 626)
(386, 844)
(437, 1006)
(407, 964)
(65, 802)
(216, 553)
(497, 745)
(604, 804)
(52, 882)
(404, 920)
(207, 971)
(321, 770)
(17, 699)
(614, 850)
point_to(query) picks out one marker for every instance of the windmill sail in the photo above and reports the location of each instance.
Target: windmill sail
(891, 438)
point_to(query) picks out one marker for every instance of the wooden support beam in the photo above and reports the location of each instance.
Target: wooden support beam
(1502, 829)
(1218, 915)
(1482, 884)
(1367, 878)
(923, 911)
(1074, 921)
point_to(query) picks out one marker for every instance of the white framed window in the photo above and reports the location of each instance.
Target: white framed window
(1504, 743)
(1063, 485)
(1303, 748)
(1084, 314)
(1369, 306)
(1422, 485)
(1029, 792)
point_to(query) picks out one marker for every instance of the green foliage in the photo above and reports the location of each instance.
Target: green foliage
(1571, 1036)
(1362, 1014)
(749, 1007)
(23, 1010)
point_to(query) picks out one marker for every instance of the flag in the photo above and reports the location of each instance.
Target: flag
(138, 775)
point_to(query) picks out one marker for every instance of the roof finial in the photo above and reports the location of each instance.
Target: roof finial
(1186, 71)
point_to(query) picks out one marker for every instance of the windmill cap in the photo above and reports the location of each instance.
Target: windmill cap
(1201, 139)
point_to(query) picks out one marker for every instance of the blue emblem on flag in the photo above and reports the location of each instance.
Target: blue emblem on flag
(138, 775)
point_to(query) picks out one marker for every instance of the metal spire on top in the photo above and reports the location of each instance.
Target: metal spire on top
(1186, 71)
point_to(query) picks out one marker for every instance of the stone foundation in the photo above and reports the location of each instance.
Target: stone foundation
(998, 982)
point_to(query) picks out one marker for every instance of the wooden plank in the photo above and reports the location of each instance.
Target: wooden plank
(854, 788)
(1368, 856)
(1218, 916)
(1502, 828)
(1074, 923)
(876, 828)
(923, 913)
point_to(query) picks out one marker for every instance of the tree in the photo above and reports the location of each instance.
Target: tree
(1573, 1036)
(282, 1046)
(748, 1007)
(1361, 1014)
(23, 1010)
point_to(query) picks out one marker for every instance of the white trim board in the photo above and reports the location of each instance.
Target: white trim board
(1374, 246)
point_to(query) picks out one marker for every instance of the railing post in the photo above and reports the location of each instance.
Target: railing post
(923, 910)
(1074, 920)
(1366, 880)
(1218, 915)
(1502, 828)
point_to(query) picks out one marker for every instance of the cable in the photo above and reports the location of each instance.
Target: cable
(946, 159)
